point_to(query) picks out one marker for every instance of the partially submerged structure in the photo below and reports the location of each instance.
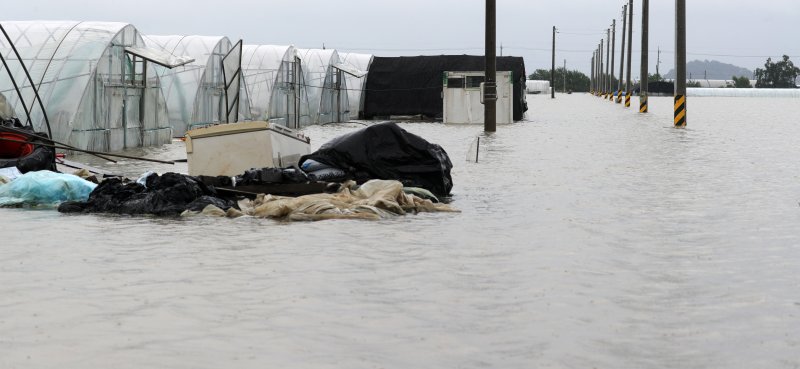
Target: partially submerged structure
(95, 79)
(412, 85)
(276, 85)
(197, 92)
(463, 100)
(356, 83)
(325, 84)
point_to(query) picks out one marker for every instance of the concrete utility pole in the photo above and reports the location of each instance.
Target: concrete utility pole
(490, 85)
(644, 71)
(622, 54)
(613, 50)
(630, 55)
(680, 63)
(564, 73)
(608, 64)
(591, 78)
(553, 68)
(602, 77)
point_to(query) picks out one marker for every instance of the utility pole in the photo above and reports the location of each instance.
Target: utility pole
(613, 50)
(680, 63)
(622, 54)
(490, 86)
(630, 54)
(564, 73)
(658, 62)
(553, 68)
(602, 76)
(644, 71)
(608, 64)
(591, 79)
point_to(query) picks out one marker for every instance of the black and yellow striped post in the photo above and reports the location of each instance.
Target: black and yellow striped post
(680, 63)
(643, 104)
(680, 111)
(628, 86)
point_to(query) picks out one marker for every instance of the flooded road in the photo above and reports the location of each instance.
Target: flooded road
(590, 237)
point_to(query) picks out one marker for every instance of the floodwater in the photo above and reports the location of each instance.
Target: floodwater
(590, 237)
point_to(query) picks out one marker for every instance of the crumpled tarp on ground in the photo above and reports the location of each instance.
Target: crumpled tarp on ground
(167, 195)
(386, 151)
(375, 199)
(44, 188)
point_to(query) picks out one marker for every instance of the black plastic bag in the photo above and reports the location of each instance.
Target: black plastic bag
(386, 151)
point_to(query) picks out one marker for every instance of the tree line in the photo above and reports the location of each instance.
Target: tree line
(780, 74)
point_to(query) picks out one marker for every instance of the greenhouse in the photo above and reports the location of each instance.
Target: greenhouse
(275, 84)
(196, 92)
(95, 80)
(356, 84)
(325, 82)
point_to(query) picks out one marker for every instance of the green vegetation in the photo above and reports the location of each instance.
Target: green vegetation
(777, 75)
(576, 81)
(740, 82)
(655, 78)
(691, 83)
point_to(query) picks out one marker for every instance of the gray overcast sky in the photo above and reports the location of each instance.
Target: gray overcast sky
(732, 31)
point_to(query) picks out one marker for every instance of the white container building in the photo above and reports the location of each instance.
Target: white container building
(463, 102)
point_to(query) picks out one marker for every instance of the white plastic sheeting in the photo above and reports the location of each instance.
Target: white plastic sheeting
(195, 92)
(97, 96)
(356, 85)
(276, 85)
(324, 85)
(744, 92)
(537, 87)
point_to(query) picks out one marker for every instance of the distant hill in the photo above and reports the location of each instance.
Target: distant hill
(714, 70)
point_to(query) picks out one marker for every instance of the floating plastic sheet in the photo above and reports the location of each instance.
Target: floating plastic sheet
(45, 188)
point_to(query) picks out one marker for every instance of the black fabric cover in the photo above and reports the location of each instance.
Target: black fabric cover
(166, 195)
(412, 85)
(386, 151)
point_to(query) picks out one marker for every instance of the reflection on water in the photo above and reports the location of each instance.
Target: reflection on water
(590, 236)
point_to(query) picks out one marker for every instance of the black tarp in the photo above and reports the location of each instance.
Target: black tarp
(412, 85)
(166, 195)
(386, 151)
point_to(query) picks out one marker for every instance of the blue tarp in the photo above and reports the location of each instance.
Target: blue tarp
(45, 188)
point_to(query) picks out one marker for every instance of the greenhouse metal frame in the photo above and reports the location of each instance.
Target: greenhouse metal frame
(196, 93)
(94, 79)
(276, 85)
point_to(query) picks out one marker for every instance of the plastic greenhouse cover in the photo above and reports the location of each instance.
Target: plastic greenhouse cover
(355, 72)
(159, 57)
